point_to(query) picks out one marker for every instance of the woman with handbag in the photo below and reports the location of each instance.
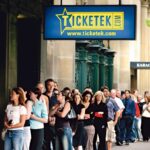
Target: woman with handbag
(14, 120)
(62, 125)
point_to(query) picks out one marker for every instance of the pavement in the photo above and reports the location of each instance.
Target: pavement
(133, 146)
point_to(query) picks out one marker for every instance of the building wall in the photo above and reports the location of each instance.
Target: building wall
(144, 81)
(58, 58)
(56, 52)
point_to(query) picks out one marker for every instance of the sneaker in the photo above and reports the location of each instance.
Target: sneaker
(132, 141)
(127, 143)
(119, 143)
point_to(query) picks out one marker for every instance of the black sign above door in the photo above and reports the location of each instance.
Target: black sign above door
(140, 65)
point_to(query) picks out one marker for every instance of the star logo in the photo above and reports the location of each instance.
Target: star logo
(64, 19)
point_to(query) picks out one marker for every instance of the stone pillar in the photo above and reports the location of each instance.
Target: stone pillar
(58, 58)
(126, 51)
(12, 54)
(144, 81)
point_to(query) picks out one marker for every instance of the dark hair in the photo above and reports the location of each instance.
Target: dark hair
(85, 93)
(37, 92)
(66, 88)
(48, 80)
(122, 92)
(20, 92)
(104, 87)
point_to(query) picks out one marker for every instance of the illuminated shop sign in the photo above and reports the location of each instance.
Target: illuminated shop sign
(90, 22)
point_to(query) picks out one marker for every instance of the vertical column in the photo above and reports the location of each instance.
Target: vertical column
(144, 81)
(110, 57)
(81, 69)
(60, 58)
(94, 66)
(101, 69)
(12, 52)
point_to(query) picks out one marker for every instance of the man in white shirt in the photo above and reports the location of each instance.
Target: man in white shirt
(121, 108)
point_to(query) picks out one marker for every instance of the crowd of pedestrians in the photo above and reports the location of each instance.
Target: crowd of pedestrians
(39, 119)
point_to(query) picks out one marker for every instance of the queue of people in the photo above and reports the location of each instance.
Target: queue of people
(38, 119)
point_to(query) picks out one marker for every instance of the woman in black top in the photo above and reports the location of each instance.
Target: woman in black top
(88, 119)
(78, 138)
(100, 120)
(63, 130)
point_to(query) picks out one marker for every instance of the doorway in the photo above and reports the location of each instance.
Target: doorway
(29, 47)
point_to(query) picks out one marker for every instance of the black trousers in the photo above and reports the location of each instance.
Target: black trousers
(49, 137)
(37, 137)
(145, 127)
(100, 130)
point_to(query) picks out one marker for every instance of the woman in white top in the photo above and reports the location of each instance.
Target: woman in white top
(14, 120)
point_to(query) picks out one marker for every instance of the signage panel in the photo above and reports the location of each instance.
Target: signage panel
(140, 65)
(90, 22)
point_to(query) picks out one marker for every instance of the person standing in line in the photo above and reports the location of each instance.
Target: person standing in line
(100, 120)
(49, 129)
(127, 118)
(146, 119)
(14, 121)
(43, 97)
(113, 115)
(63, 129)
(78, 138)
(27, 130)
(113, 95)
(38, 117)
(88, 119)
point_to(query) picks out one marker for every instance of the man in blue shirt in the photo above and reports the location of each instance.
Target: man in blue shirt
(113, 114)
(127, 118)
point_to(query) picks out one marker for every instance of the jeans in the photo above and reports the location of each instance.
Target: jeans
(126, 128)
(27, 138)
(118, 132)
(136, 129)
(63, 139)
(14, 140)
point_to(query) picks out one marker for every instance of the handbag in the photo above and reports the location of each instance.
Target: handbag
(3, 134)
(71, 114)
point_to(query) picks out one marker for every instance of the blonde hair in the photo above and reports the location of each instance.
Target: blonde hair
(99, 93)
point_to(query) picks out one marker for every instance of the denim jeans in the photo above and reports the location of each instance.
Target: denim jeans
(14, 140)
(63, 139)
(27, 138)
(126, 128)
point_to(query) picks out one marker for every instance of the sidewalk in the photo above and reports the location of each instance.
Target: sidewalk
(133, 146)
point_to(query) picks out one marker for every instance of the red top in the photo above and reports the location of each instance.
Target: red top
(137, 113)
